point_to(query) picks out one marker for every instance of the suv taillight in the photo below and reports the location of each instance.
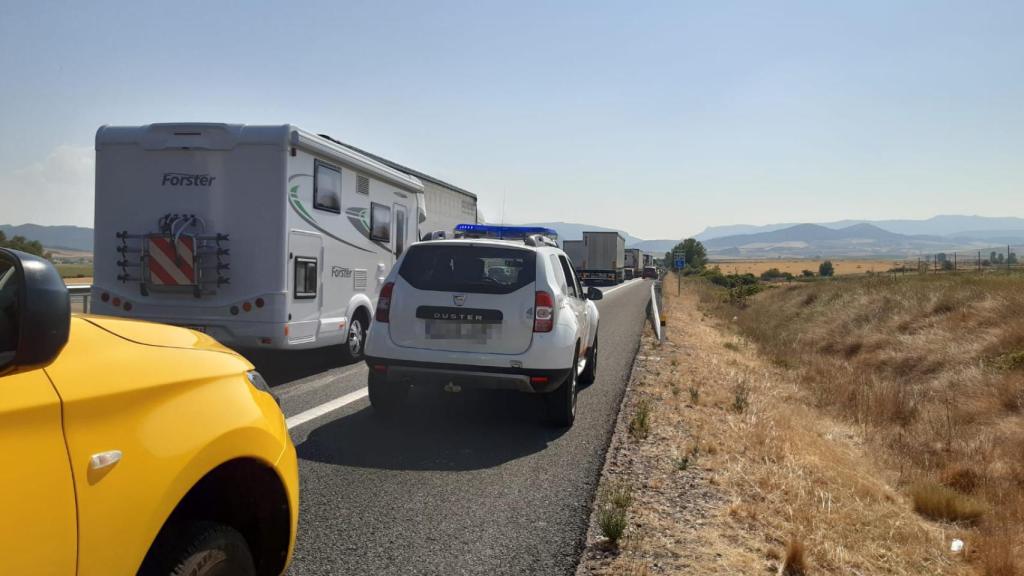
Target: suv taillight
(384, 303)
(543, 312)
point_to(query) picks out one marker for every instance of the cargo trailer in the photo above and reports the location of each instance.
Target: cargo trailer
(633, 262)
(603, 257)
(574, 250)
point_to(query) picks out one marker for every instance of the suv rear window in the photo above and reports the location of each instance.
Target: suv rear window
(463, 268)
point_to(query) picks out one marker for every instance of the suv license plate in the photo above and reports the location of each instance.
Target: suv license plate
(445, 330)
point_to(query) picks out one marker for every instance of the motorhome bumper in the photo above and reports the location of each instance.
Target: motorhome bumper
(468, 377)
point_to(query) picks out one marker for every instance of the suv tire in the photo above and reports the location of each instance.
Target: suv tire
(355, 339)
(590, 371)
(386, 399)
(561, 402)
(202, 549)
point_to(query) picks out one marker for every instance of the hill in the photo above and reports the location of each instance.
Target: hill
(68, 237)
(994, 230)
(817, 240)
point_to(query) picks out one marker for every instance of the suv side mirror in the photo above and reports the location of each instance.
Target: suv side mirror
(35, 311)
(594, 293)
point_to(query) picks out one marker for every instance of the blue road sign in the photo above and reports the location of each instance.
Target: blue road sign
(680, 263)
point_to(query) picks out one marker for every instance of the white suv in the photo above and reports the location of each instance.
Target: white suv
(484, 313)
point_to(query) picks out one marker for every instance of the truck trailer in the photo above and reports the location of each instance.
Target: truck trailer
(260, 236)
(634, 264)
(603, 258)
(575, 251)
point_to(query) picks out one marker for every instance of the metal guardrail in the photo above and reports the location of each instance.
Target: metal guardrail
(80, 294)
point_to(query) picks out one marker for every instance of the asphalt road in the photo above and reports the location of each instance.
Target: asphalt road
(467, 483)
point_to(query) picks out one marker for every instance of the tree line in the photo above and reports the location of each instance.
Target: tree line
(23, 244)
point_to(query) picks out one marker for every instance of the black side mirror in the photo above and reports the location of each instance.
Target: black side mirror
(35, 311)
(594, 293)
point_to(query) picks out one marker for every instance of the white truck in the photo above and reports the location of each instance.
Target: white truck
(261, 236)
(604, 258)
(633, 263)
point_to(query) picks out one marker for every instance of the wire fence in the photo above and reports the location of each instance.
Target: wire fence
(989, 259)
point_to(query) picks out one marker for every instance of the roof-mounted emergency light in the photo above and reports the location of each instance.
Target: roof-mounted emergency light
(502, 232)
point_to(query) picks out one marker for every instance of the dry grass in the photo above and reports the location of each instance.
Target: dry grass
(939, 502)
(796, 265)
(794, 563)
(782, 484)
(928, 369)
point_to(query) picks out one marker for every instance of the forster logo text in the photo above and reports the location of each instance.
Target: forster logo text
(180, 179)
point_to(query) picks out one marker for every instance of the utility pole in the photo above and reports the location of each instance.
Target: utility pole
(979, 260)
(954, 261)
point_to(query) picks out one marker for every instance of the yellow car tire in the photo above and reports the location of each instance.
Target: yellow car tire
(206, 549)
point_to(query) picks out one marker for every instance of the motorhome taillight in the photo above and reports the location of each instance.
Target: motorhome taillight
(247, 306)
(384, 303)
(543, 312)
(105, 297)
(259, 302)
(116, 302)
(127, 306)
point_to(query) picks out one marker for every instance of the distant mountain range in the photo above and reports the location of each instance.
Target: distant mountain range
(996, 229)
(859, 238)
(67, 237)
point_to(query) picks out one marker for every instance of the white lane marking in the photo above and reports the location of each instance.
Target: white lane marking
(623, 285)
(331, 406)
(293, 388)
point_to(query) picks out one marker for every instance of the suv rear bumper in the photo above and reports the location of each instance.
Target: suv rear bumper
(470, 377)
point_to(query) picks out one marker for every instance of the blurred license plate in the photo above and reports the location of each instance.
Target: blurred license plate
(447, 330)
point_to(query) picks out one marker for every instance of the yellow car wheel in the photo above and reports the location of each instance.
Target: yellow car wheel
(206, 549)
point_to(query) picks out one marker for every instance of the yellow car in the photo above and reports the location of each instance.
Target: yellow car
(129, 447)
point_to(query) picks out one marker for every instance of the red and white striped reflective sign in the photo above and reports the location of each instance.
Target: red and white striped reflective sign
(172, 263)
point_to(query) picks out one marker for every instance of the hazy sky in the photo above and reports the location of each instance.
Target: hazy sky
(659, 118)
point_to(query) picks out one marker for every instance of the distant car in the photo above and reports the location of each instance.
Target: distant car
(484, 313)
(650, 272)
(132, 447)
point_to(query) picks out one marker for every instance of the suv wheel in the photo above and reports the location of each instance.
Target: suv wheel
(386, 398)
(561, 403)
(203, 549)
(356, 337)
(590, 371)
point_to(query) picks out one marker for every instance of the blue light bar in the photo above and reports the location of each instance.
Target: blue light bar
(503, 232)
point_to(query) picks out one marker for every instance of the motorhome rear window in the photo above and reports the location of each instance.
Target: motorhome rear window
(462, 268)
(327, 188)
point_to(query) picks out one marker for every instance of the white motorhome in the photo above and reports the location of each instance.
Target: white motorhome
(261, 236)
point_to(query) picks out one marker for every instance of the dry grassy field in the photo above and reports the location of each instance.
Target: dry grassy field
(855, 426)
(931, 368)
(795, 266)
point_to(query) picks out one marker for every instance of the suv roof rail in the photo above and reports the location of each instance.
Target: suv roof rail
(539, 240)
(435, 235)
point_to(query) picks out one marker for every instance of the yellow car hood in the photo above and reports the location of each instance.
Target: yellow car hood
(153, 334)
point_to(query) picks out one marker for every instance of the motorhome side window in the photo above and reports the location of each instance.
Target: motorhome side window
(326, 187)
(380, 222)
(305, 277)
